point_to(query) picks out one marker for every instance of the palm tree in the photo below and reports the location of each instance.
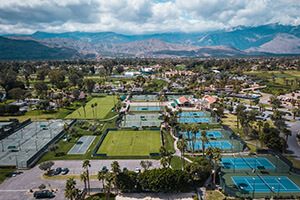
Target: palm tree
(92, 106)
(96, 105)
(216, 157)
(101, 177)
(109, 178)
(194, 130)
(286, 133)
(83, 177)
(209, 153)
(115, 167)
(83, 106)
(182, 146)
(85, 165)
(71, 192)
(204, 140)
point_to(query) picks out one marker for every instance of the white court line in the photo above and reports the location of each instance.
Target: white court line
(13, 190)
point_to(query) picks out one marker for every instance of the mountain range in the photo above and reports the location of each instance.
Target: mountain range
(271, 39)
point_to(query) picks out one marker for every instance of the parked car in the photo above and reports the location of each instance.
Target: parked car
(57, 171)
(64, 171)
(104, 169)
(43, 194)
(137, 170)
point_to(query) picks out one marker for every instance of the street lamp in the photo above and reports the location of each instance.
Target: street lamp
(278, 186)
(253, 191)
(272, 191)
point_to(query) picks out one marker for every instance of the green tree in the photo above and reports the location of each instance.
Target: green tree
(71, 192)
(46, 166)
(204, 140)
(182, 146)
(86, 165)
(41, 88)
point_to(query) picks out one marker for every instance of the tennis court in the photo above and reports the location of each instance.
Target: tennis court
(82, 145)
(247, 163)
(150, 97)
(222, 144)
(265, 184)
(141, 120)
(210, 134)
(145, 108)
(20, 148)
(194, 114)
(190, 120)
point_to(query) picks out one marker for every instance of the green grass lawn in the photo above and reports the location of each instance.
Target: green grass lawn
(130, 143)
(4, 172)
(169, 142)
(176, 163)
(214, 195)
(104, 107)
(277, 85)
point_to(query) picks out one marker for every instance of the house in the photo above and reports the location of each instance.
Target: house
(209, 100)
(183, 102)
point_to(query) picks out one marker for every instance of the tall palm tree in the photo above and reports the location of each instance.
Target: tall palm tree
(194, 130)
(85, 165)
(83, 177)
(71, 192)
(92, 106)
(216, 158)
(83, 106)
(182, 146)
(286, 133)
(115, 167)
(109, 179)
(96, 105)
(101, 177)
(204, 140)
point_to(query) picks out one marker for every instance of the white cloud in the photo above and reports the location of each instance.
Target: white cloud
(142, 16)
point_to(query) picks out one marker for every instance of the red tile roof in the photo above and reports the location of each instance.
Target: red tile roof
(183, 100)
(210, 99)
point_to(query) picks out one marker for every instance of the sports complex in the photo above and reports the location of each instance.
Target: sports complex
(25, 146)
(260, 176)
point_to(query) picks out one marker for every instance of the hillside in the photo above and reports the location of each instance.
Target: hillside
(31, 50)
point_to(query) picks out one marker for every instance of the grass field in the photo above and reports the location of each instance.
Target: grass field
(104, 107)
(276, 80)
(130, 143)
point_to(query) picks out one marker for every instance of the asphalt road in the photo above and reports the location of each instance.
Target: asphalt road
(17, 188)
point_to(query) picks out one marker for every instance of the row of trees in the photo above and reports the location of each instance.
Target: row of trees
(148, 180)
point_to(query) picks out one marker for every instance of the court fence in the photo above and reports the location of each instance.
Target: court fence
(234, 191)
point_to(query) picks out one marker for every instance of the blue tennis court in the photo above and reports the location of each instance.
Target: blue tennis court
(193, 114)
(190, 120)
(265, 184)
(209, 134)
(145, 108)
(246, 163)
(222, 144)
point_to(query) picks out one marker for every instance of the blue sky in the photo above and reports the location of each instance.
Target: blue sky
(142, 16)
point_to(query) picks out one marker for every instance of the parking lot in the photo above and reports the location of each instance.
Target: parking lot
(16, 188)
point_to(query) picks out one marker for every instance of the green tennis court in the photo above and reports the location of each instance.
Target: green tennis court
(130, 143)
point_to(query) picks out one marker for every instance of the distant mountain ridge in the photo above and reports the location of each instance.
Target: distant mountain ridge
(240, 41)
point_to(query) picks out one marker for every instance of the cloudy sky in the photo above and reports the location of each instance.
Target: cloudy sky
(142, 16)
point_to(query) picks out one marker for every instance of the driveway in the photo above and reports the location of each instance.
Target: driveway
(17, 188)
(293, 145)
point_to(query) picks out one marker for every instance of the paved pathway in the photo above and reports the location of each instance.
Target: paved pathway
(293, 145)
(17, 188)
